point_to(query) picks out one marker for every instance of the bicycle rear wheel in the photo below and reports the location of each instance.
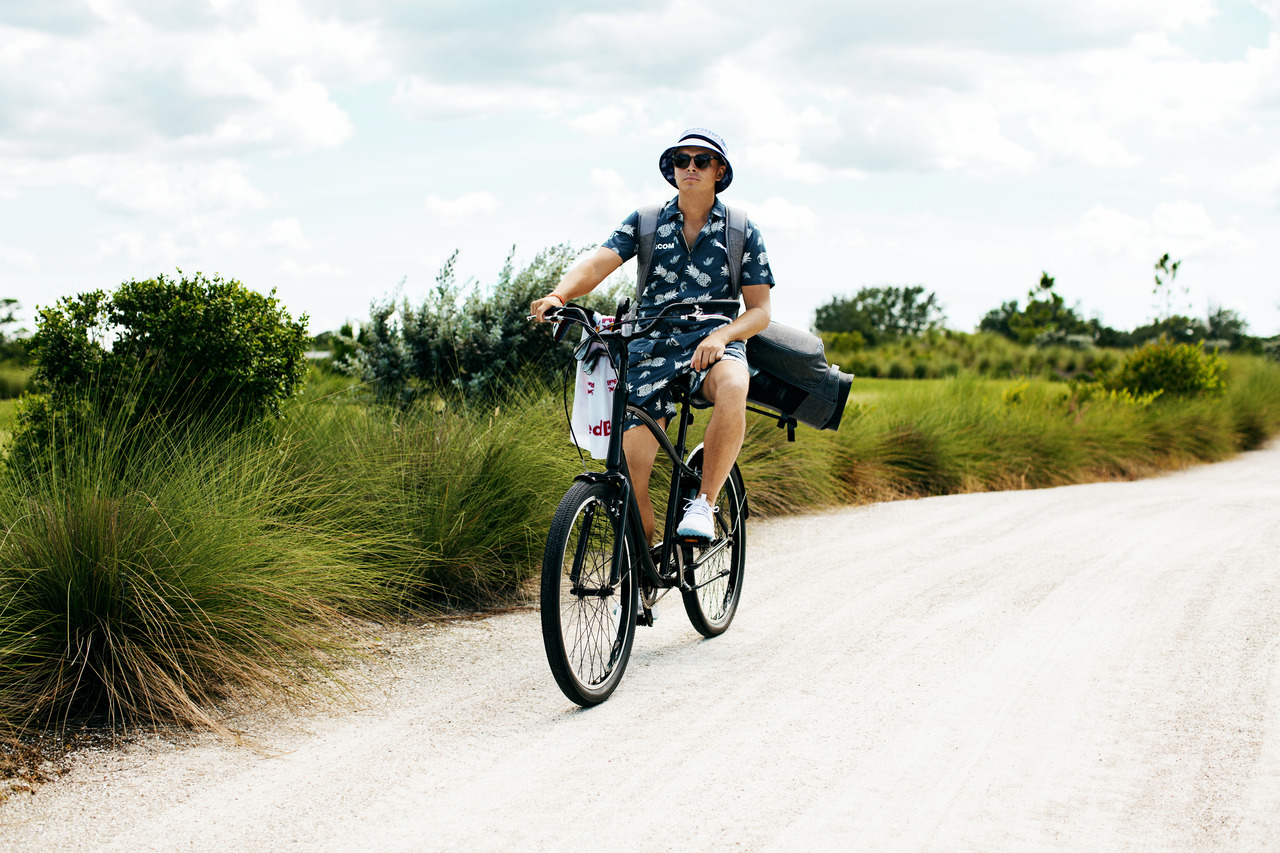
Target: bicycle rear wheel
(588, 624)
(714, 573)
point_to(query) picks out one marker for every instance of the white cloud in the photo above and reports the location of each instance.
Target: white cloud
(465, 206)
(429, 100)
(786, 161)
(286, 234)
(319, 270)
(194, 241)
(137, 248)
(1187, 225)
(299, 116)
(781, 215)
(213, 78)
(1270, 8)
(1079, 140)
(173, 189)
(968, 136)
(610, 197)
(606, 121)
(19, 259)
(1261, 181)
(1182, 228)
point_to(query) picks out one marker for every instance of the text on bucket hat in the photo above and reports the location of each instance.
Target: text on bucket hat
(702, 138)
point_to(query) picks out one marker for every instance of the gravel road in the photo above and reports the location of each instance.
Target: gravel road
(1086, 668)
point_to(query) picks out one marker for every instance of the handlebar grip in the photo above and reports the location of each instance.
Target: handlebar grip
(564, 317)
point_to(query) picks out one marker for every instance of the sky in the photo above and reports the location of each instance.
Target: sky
(339, 151)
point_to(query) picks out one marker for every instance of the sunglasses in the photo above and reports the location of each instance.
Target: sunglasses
(701, 161)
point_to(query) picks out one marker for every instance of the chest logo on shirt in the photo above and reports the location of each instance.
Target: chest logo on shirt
(665, 246)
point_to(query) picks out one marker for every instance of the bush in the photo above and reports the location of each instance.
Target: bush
(474, 343)
(1174, 368)
(180, 350)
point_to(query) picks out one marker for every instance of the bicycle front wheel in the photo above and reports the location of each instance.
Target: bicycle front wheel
(713, 574)
(588, 616)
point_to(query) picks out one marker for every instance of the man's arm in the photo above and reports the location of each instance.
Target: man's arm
(579, 281)
(750, 322)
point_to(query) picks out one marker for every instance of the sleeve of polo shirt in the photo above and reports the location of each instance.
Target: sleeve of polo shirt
(755, 259)
(623, 239)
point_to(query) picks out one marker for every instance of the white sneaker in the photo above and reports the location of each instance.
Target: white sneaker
(698, 519)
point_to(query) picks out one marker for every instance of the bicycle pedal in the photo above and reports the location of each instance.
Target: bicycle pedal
(695, 541)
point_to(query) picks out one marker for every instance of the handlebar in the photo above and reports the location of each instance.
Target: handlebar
(574, 313)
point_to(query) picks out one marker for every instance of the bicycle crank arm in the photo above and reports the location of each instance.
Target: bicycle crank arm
(720, 545)
(710, 580)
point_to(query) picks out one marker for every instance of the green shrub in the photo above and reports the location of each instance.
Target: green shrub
(850, 342)
(186, 350)
(190, 345)
(478, 344)
(1162, 365)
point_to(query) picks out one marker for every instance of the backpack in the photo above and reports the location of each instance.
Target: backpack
(793, 378)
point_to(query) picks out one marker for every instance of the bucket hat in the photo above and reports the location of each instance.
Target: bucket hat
(702, 138)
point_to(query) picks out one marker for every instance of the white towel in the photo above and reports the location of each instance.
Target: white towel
(592, 418)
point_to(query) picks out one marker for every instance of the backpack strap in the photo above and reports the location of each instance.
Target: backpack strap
(735, 245)
(644, 247)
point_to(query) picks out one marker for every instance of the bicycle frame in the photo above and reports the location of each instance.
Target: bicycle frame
(616, 473)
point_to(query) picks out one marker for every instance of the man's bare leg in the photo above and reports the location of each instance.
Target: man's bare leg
(726, 387)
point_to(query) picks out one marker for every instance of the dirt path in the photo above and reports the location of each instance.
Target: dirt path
(1086, 668)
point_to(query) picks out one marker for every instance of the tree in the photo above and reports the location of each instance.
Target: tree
(1223, 324)
(881, 314)
(1165, 275)
(1000, 320)
(12, 341)
(1176, 328)
(1047, 318)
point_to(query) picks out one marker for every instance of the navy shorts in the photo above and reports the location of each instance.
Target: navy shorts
(655, 362)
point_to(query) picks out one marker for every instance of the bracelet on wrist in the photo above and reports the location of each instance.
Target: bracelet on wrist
(557, 296)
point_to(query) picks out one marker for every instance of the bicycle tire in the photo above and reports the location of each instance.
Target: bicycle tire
(587, 631)
(716, 582)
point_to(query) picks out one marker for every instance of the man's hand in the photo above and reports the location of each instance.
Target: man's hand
(710, 350)
(539, 307)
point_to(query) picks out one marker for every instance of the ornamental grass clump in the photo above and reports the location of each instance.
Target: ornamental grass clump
(149, 591)
(447, 502)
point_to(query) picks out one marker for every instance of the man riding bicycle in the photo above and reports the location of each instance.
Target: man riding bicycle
(690, 263)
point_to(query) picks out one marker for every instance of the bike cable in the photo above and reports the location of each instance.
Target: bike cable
(568, 415)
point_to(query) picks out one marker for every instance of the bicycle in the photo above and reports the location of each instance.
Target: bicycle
(600, 577)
